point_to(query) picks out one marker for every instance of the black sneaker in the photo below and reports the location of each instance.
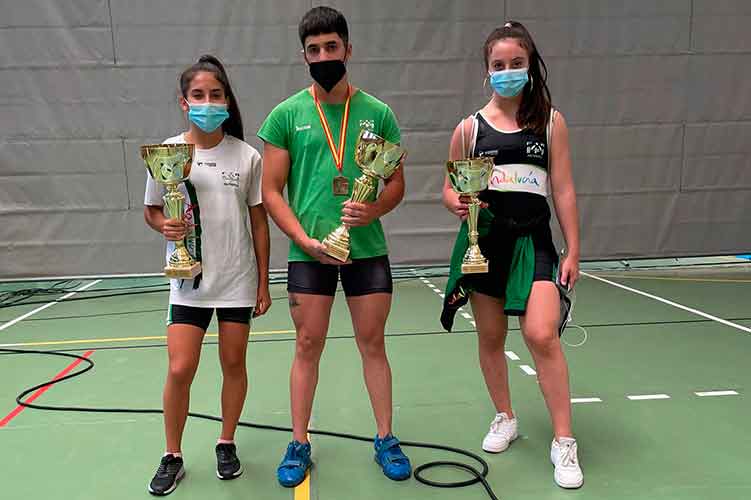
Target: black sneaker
(168, 474)
(228, 466)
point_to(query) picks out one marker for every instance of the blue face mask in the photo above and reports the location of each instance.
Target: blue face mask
(509, 82)
(208, 117)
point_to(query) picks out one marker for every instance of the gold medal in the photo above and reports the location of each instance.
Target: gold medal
(341, 186)
(341, 183)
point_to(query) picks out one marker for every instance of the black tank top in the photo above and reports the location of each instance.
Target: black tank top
(525, 154)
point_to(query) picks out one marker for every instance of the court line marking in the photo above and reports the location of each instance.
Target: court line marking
(302, 490)
(585, 400)
(13, 414)
(671, 303)
(644, 397)
(672, 278)
(49, 304)
(528, 369)
(125, 339)
(466, 315)
(703, 394)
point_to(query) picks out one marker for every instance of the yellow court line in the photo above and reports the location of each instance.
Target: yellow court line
(302, 490)
(124, 339)
(672, 278)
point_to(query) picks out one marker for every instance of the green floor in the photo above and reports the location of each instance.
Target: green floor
(685, 447)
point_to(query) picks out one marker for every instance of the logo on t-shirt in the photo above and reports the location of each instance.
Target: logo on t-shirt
(231, 178)
(300, 128)
(211, 164)
(367, 124)
(535, 149)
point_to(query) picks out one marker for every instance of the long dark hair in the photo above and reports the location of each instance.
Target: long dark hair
(232, 125)
(534, 111)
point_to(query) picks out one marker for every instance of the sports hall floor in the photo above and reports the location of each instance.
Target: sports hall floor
(658, 352)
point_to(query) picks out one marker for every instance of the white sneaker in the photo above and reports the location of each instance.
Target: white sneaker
(502, 432)
(567, 474)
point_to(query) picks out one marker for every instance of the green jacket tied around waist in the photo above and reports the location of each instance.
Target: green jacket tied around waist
(520, 278)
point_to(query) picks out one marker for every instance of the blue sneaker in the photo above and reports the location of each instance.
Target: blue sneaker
(295, 464)
(391, 458)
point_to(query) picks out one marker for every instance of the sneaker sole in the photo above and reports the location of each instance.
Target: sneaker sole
(233, 476)
(294, 485)
(392, 478)
(180, 475)
(308, 471)
(501, 450)
(572, 486)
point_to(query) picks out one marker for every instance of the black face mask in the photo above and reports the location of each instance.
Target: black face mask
(327, 73)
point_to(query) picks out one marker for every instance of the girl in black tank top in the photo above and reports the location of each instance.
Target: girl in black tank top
(520, 147)
(528, 142)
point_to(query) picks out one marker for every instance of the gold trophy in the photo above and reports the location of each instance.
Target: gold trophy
(469, 177)
(169, 164)
(378, 159)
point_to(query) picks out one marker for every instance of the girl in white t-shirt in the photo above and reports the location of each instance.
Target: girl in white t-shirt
(225, 227)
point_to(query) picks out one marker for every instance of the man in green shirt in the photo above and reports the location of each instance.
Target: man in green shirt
(309, 142)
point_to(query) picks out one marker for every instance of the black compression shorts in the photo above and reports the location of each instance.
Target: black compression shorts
(361, 277)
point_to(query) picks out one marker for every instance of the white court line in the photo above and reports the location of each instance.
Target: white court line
(671, 303)
(528, 369)
(45, 306)
(586, 400)
(466, 315)
(643, 397)
(716, 393)
(512, 356)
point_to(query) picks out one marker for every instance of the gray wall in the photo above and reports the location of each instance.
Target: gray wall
(656, 95)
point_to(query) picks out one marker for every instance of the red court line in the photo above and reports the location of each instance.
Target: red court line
(10, 416)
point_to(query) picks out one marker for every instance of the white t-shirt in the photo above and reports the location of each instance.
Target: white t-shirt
(224, 181)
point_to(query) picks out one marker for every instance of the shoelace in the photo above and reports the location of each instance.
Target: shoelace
(294, 453)
(168, 467)
(568, 454)
(224, 454)
(496, 426)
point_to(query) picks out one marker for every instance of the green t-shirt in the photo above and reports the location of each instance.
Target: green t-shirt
(294, 125)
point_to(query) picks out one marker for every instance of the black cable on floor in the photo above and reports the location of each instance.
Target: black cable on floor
(478, 475)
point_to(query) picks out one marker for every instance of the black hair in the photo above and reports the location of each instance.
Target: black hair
(534, 111)
(322, 20)
(232, 125)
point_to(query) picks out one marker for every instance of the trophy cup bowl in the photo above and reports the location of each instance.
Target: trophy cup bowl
(169, 165)
(469, 177)
(377, 159)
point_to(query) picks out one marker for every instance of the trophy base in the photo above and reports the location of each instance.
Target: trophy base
(474, 267)
(188, 272)
(337, 251)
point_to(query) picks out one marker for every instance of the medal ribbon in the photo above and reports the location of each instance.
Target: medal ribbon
(337, 154)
